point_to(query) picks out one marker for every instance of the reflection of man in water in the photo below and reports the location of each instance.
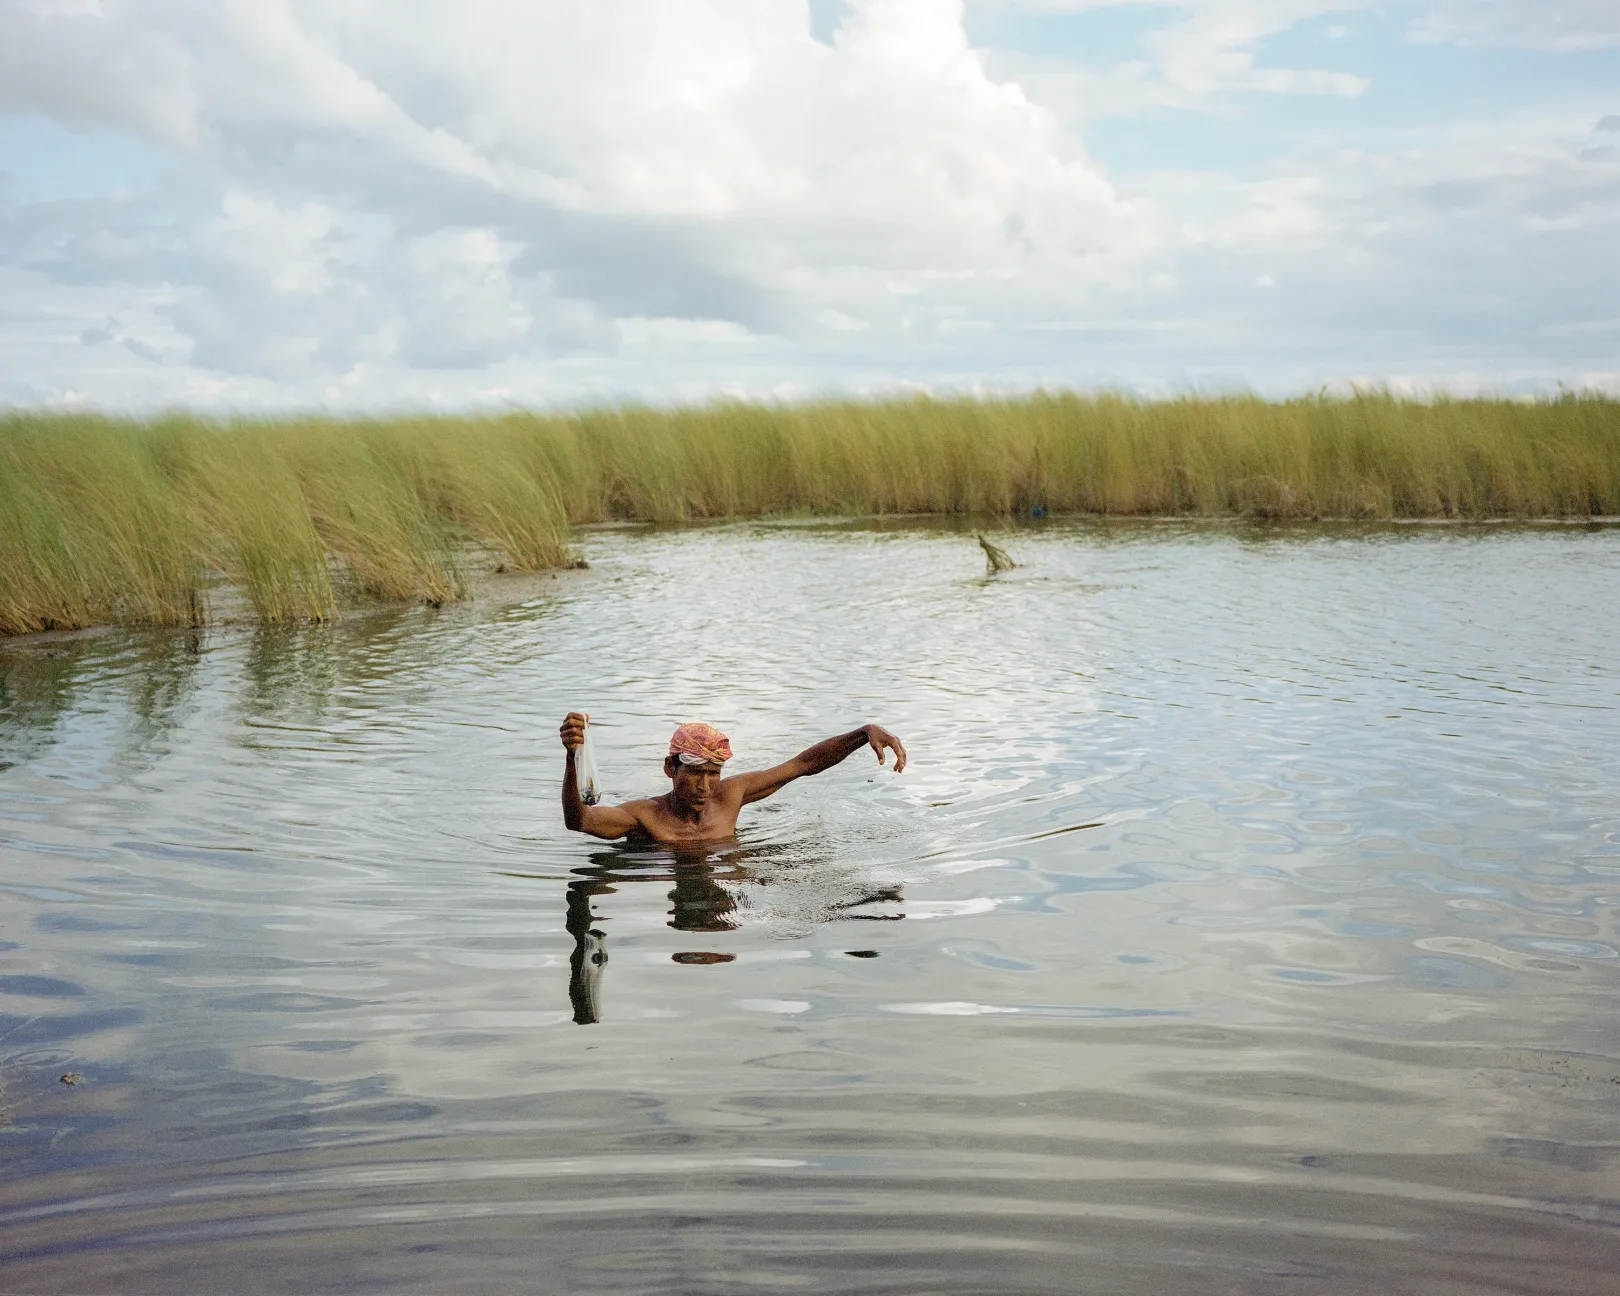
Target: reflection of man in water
(698, 903)
(700, 805)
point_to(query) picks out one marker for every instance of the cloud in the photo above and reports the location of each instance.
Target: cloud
(1204, 55)
(1383, 264)
(450, 186)
(1560, 25)
(1211, 51)
(98, 333)
(375, 203)
(73, 61)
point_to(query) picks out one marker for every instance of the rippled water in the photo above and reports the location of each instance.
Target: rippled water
(1245, 922)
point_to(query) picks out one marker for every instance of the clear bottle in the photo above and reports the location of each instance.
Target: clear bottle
(585, 772)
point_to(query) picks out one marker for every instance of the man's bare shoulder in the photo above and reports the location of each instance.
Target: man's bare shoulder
(643, 815)
(641, 808)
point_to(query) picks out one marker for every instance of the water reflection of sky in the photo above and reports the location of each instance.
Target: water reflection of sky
(1309, 835)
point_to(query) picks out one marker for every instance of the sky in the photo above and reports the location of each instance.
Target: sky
(365, 205)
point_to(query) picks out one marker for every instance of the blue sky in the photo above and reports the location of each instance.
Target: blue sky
(359, 205)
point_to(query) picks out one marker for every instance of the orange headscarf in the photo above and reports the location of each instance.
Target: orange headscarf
(696, 743)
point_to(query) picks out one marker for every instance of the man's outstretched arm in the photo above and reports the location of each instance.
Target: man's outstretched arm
(823, 756)
(608, 822)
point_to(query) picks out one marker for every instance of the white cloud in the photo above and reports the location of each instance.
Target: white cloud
(1211, 50)
(1392, 263)
(618, 159)
(413, 202)
(1202, 56)
(1559, 25)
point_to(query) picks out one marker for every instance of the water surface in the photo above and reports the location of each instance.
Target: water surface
(1244, 922)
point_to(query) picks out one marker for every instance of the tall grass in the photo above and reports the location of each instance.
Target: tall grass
(93, 527)
(255, 523)
(105, 519)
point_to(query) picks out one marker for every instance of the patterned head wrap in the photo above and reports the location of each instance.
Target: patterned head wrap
(697, 744)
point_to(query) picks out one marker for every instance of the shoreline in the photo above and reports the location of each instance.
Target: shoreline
(229, 607)
(107, 520)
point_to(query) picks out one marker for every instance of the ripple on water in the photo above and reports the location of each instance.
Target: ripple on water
(1244, 921)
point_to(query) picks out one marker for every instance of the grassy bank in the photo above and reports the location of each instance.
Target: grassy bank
(105, 520)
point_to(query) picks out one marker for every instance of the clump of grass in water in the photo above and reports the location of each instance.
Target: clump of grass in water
(995, 557)
(104, 520)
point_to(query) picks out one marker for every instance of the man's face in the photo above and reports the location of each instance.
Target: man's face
(694, 784)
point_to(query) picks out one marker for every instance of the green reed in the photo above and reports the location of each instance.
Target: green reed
(107, 520)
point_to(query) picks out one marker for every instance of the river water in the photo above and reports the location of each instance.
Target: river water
(1246, 921)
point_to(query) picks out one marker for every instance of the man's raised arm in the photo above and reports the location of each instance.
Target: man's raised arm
(608, 822)
(823, 756)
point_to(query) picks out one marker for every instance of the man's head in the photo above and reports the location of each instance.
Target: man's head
(696, 754)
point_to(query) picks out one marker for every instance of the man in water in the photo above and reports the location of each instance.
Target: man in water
(701, 806)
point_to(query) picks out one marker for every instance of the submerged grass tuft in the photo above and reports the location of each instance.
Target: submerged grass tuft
(121, 520)
(996, 559)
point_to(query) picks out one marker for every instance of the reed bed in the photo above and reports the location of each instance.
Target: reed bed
(105, 520)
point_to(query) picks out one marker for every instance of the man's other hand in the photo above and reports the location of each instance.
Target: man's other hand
(881, 738)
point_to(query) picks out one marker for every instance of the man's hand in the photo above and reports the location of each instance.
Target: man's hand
(815, 760)
(879, 738)
(606, 822)
(572, 731)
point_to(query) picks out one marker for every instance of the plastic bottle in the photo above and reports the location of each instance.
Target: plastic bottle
(590, 784)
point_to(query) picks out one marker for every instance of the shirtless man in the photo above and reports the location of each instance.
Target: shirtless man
(701, 806)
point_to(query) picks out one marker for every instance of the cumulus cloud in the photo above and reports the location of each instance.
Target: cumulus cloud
(447, 186)
(374, 202)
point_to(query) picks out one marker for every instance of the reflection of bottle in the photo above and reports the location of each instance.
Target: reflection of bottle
(590, 791)
(590, 953)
